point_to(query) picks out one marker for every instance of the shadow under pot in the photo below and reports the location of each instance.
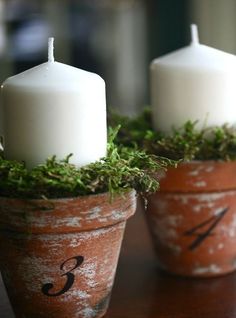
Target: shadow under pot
(192, 219)
(59, 256)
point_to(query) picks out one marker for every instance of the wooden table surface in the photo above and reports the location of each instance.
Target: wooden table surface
(142, 291)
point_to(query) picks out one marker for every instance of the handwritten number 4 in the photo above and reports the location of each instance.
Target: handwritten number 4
(213, 221)
(69, 275)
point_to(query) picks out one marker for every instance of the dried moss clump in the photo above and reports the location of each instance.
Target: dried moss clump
(123, 168)
(187, 142)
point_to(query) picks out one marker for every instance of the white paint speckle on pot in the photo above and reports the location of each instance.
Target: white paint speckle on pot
(46, 220)
(73, 222)
(194, 173)
(175, 249)
(200, 184)
(78, 237)
(210, 205)
(174, 220)
(233, 224)
(231, 232)
(87, 313)
(220, 246)
(164, 228)
(39, 272)
(88, 270)
(199, 169)
(219, 210)
(211, 250)
(212, 269)
(164, 234)
(81, 296)
(184, 199)
(210, 169)
(117, 214)
(94, 213)
(209, 197)
(197, 208)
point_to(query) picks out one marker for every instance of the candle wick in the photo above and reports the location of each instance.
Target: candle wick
(50, 50)
(194, 34)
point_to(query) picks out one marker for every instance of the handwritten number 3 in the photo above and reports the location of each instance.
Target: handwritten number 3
(69, 275)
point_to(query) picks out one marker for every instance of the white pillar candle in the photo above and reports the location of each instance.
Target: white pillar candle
(54, 109)
(194, 83)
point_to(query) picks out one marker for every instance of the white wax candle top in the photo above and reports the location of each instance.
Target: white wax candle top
(50, 50)
(196, 56)
(194, 34)
(196, 82)
(54, 109)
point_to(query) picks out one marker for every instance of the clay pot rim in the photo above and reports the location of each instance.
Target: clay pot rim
(199, 161)
(40, 216)
(199, 176)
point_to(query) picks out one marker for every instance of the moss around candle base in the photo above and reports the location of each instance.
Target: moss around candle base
(122, 169)
(186, 142)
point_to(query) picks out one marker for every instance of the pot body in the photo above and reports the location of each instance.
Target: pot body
(193, 219)
(58, 257)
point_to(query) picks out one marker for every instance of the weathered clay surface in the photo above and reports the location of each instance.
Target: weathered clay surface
(200, 175)
(58, 258)
(193, 219)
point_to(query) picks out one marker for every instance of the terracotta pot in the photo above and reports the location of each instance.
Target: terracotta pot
(58, 257)
(193, 219)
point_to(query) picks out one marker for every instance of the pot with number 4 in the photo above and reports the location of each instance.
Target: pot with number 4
(59, 256)
(193, 219)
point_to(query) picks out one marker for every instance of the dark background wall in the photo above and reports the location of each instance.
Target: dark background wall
(114, 38)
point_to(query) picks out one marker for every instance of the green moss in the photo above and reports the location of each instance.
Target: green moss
(123, 168)
(187, 142)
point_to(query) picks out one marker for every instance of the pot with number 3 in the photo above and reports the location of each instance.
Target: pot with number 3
(59, 256)
(193, 219)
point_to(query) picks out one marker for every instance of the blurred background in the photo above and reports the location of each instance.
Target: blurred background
(115, 38)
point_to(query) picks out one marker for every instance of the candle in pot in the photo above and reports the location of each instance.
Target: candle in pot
(194, 83)
(54, 109)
